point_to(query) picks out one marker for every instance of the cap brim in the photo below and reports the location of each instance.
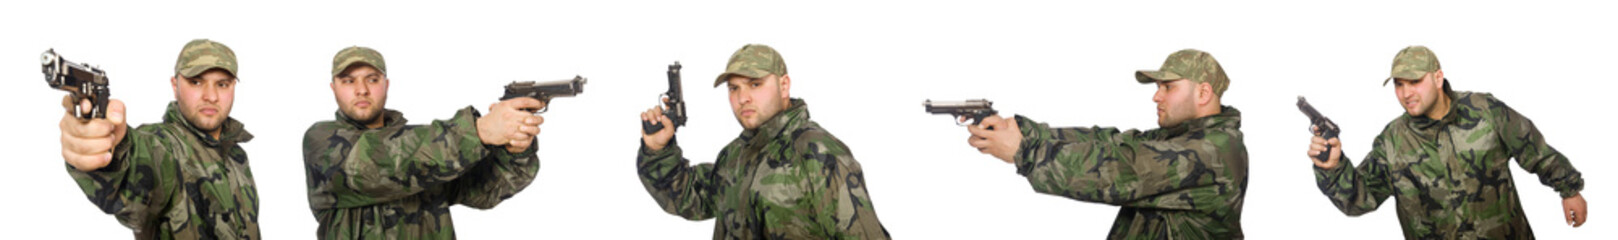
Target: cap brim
(725, 77)
(1148, 76)
(193, 71)
(1404, 75)
(339, 69)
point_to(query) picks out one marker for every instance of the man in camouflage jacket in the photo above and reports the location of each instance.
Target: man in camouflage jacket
(1186, 180)
(1445, 161)
(784, 178)
(185, 178)
(371, 176)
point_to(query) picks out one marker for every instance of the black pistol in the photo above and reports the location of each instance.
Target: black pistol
(975, 109)
(82, 80)
(673, 102)
(1324, 127)
(544, 91)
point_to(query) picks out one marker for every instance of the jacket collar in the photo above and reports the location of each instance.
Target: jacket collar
(390, 118)
(793, 117)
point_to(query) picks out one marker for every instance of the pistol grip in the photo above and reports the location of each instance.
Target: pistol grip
(1327, 135)
(99, 110)
(651, 127)
(1324, 155)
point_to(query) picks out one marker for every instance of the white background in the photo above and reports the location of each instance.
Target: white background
(864, 69)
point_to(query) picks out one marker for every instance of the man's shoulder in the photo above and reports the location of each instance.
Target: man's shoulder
(165, 132)
(320, 128)
(811, 137)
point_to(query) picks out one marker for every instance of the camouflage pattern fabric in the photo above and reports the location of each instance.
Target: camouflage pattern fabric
(1182, 182)
(201, 55)
(1188, 64)
(753, 61)
(1450, 177)
(786, 179)
(398, 181)
(172, 181)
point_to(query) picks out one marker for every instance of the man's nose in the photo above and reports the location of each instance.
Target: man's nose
(210, 94)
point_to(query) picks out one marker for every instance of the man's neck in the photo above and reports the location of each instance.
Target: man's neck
(376, 123)
(215, 133)
(1440, 108)
(1210, 110)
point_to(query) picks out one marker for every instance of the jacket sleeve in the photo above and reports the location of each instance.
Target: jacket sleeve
(139, 182)
(1357, 190)
(381, 166)
(678, 188)
(1523, 141)
(499, 177)
(1107, 166)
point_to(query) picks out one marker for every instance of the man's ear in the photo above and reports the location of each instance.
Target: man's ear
(1205, 93)
(786, 87)
(1438, 76)
(174, 83)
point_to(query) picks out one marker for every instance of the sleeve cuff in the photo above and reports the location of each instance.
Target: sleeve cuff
(502, 155)
(1568, 193)
(671, 149)
(1325, 177)
(1030, 139)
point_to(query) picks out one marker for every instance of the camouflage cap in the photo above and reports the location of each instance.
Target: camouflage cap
(357, 54)
(1412, 63)
(1191, 64)
(200, 55)
(753, 61)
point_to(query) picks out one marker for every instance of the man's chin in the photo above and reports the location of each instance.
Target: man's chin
(206, 125)
(747, 124)
(1414, 112)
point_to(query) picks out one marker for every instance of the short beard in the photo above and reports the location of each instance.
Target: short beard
(374, 116)
(204, 126)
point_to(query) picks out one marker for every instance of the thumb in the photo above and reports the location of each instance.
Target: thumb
(525, 103)
(115, 112)
(1567, 215)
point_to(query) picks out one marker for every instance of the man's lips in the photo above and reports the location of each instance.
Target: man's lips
(362, 104)
(748, 112)
(208, 111)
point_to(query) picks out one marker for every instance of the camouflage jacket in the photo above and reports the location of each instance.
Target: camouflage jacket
(398, 181)
(1450, 176)
(172, 181)
(786, 179)
(1182, 182)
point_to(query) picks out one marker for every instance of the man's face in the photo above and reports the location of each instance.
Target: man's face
(1418, 96)
(361, 93)
(755, 100)
(1176, 102)
(205, 100)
